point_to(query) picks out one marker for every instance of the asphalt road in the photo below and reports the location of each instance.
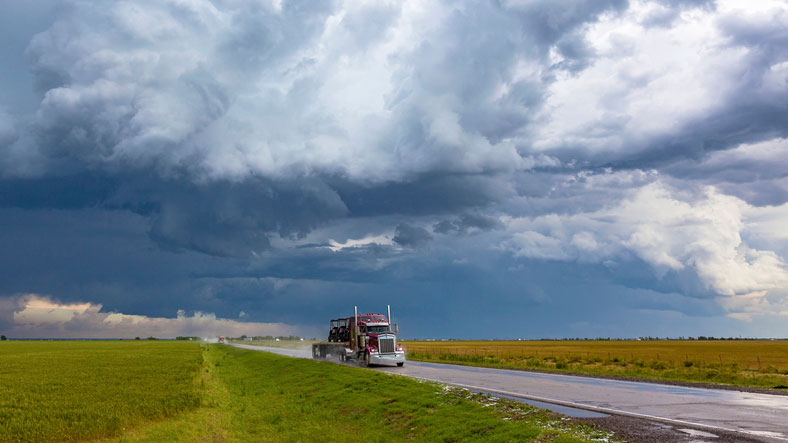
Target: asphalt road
(760, 416)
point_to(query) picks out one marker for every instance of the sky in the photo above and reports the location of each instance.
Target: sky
(490, 169)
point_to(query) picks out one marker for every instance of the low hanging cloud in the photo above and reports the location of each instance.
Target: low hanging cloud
(411, 236)
(36, 316)
(468, 223)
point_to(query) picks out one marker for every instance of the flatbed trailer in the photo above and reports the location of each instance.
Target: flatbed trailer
(326, 350)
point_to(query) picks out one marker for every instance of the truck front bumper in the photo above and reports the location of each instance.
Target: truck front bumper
(387, 359)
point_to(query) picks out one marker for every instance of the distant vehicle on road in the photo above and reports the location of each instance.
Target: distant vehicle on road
(222, 340)
(367, 338)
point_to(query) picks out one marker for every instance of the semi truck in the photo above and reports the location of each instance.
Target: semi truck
(368, 339)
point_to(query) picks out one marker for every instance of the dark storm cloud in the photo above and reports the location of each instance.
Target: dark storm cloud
(411, 236)
(433, 194)
(221, 218)
(176, 95)
(235, 219)
(576, 52)
(552, 19)
(467, 222)
(522, 160)
(755, 173)
(57, 192)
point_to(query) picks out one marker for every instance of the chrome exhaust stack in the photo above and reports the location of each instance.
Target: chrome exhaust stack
(355, 315)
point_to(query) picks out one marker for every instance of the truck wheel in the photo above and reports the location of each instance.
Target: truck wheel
(400, 364)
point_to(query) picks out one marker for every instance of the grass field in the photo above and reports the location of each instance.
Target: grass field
(165, 391)
(72, 391)
(762, 363)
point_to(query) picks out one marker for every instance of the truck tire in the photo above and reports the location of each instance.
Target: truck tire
(401, 364)
(364, 360)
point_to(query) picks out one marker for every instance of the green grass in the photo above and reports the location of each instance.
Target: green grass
(165, 391)
(73, 391)
(760, 364)
(274, 398)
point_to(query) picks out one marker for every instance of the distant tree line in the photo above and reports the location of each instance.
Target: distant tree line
(3, 337)
(648, 338)
(700, 337)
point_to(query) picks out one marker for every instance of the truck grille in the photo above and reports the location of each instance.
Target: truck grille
(386, 345)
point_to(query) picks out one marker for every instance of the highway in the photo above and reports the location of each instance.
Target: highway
(760, 416)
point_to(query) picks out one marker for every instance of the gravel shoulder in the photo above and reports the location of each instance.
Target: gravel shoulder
(645, 431)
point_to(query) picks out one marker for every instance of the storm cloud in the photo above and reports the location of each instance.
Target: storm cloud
(288, 159)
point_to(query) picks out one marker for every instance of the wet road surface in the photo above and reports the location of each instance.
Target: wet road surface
(756, 415)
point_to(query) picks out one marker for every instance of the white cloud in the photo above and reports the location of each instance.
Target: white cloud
(37, 316)
(360, 242)
(645, 82)
(671, 230)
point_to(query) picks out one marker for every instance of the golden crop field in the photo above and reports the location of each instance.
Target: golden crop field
(762, 363)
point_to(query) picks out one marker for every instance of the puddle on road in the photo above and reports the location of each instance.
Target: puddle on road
(697, 433)
(566, 410)
(779, 435)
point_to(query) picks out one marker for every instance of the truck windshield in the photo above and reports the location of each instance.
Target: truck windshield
(377, 329)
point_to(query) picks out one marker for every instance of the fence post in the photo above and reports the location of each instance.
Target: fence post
(759, 361)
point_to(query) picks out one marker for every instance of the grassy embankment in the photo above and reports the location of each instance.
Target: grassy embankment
(125, 391)
(761, 364)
